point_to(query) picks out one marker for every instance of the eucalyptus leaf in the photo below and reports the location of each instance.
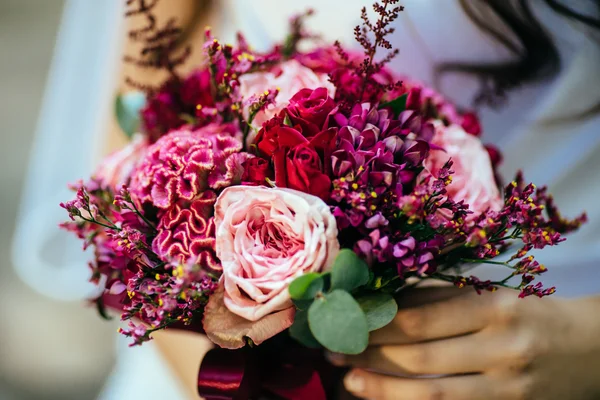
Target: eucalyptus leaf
(302, 304)
(306, 287)
(397, 105)
(127, 109)
(338, 323)
(300, 330)
(349, 271)
(379, 308)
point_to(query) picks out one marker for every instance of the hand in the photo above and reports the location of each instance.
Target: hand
(489, 346)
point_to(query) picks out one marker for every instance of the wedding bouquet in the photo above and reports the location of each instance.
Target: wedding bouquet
(299, 191)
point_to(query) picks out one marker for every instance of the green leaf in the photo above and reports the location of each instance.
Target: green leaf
(348, 271)
(302, 304)
(306, 287)
(397, 105)
(101, 309)
(338, 323)
(287, 121)
(379, 308)
(300, 330)
(127, 109)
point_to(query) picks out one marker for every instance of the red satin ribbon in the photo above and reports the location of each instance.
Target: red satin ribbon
(278, 369)
(268, 371)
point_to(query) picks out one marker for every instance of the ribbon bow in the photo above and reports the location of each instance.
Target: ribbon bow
(287, 372)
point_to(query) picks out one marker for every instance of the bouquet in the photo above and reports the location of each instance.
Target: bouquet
(292, 194)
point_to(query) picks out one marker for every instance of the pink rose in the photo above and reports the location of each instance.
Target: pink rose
(289, 77)
(265, 238)
(116, 169)
(473, 179)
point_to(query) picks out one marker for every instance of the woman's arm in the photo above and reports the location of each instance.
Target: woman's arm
(183, 351)
(489, 346)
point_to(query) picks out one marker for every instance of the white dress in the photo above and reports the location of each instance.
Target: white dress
(563, 156)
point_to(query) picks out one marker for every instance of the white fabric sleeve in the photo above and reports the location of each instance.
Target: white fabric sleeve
(73, 120)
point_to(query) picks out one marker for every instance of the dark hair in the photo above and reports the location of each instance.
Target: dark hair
(512, 23)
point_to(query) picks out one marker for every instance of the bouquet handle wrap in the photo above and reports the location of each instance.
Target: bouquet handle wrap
(281, 370)
(277, 369)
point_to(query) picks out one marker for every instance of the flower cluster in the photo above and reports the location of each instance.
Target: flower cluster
(264, 183)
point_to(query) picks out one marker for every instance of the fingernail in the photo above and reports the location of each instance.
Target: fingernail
(335, 358)
(354, 382)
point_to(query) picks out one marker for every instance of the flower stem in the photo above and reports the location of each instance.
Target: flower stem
(483, 261)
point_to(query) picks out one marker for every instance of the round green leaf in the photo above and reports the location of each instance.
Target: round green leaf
(301, 331)
(338, 323)
(379, 308)
(348, 271)
(306, 287)
(127, 108)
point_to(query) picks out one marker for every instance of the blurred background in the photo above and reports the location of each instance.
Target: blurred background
(49, 349)
(60, 70)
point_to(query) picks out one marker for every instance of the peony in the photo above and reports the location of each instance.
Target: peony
(473, 179)
(265, 238)
(289, 78)
(115, 170)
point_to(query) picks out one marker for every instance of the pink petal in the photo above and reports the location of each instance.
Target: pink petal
(229, 330)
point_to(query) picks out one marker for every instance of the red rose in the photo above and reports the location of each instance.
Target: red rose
(196, 89)
(413, 98)
(256, 171)
(299, 163)
(309, 109)
(161, 114)
(470, 123)
(301, 169)
(495, 155)
(275, 135)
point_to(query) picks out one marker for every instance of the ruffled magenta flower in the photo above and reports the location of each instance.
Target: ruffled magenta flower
(186, 233)
(182, 164)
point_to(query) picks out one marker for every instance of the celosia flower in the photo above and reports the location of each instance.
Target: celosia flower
(186, 233)
(182, 164)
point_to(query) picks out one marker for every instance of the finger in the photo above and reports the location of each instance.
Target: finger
(373, 386)
(422, 295)
(459, 315)
(461, 355)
